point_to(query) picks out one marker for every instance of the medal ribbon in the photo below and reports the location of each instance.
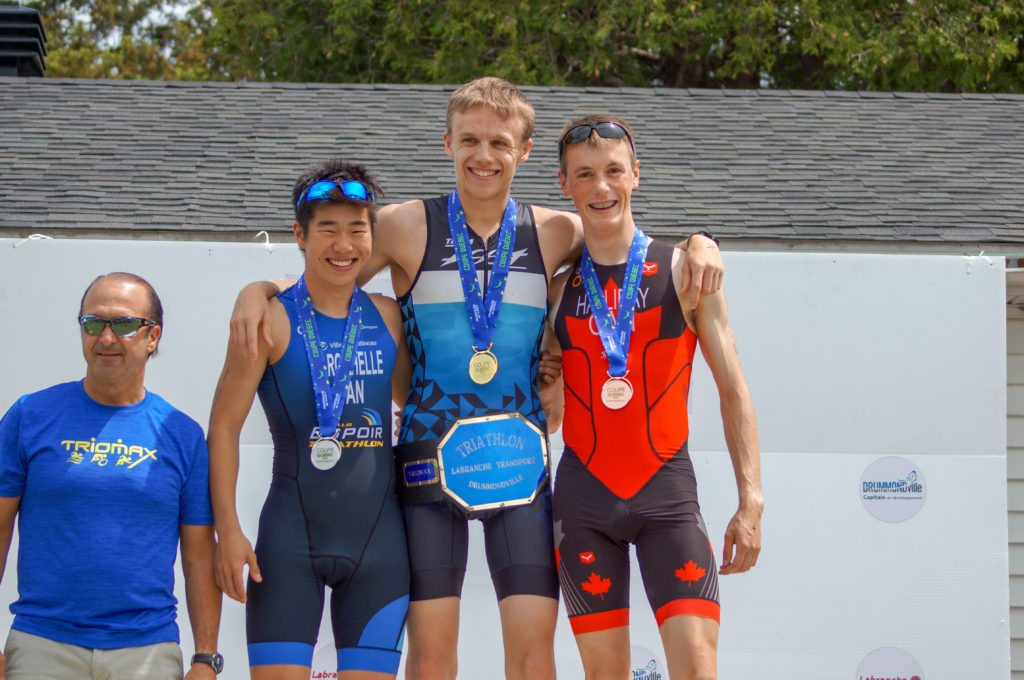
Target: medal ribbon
(615, 334)
(483, 312)
(329, 399)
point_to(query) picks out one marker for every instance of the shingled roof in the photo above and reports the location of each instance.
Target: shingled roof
(136, 159)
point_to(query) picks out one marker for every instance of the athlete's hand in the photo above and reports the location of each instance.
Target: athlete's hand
(200, 671)
(234, 552)
(549, 368)
(742, 541)
(3, 666)
(250, 316)
(702, 269)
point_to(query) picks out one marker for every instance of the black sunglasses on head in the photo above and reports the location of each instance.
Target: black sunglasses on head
(604, 129)
(122, 326)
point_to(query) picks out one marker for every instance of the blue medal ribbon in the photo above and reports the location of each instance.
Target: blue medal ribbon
(329, 399)
(483, 312)
(615, 333)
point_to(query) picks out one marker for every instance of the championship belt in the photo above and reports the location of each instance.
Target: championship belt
(481, 463)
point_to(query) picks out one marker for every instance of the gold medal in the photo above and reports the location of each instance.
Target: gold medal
(616, 392)
(483, 366)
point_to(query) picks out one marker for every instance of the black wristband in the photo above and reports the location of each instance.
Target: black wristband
(701, 233)
(214, 661)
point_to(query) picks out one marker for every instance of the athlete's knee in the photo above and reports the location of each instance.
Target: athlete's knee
(536, 663)
(700, 663)
(419, 666)
(608, 670)
(430, 659)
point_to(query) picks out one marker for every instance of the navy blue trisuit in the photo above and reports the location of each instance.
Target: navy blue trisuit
(518, 540)
(340, 527)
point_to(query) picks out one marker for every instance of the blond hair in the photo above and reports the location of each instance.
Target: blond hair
(496, 94)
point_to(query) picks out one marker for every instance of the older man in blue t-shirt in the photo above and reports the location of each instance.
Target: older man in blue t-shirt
(106, 478)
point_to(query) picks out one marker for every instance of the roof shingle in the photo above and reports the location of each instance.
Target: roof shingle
(217, 160)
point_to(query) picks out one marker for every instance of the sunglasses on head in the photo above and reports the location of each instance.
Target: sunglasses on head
(121, 326)
(604, 129)
(321, 190)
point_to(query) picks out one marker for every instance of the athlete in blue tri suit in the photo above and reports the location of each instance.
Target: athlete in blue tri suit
(331, 517)
(518, 540)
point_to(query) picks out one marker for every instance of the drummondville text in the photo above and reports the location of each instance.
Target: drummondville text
(491, 486)
(490, 440)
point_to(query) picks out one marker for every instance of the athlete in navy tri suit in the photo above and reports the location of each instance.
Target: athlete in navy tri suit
(331, 517)
(628, 341)
(489, 132)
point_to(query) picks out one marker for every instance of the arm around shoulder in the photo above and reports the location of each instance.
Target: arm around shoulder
(399, 241)
(560, 235)
(702, 268)
(251, 320)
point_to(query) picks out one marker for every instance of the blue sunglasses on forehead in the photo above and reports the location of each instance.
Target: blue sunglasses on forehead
(319, 191)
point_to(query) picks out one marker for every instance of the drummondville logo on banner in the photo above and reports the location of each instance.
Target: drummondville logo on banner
(889, 663)
(893, 489)
(645, 664)
(648, 672)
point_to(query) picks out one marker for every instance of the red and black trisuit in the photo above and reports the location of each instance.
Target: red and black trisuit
(625, 476)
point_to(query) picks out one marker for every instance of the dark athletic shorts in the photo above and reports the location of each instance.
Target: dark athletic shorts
(520, 553)
(594, 528)
(369, 582)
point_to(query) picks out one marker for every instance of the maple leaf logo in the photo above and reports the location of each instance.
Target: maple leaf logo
(595, 585)
(586, 557)
(690, 573)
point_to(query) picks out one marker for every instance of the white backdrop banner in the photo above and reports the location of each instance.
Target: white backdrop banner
(880, 388)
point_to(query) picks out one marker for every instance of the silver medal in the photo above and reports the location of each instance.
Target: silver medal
(325, 453)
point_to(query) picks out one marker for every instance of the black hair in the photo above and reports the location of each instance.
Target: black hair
(337, 171)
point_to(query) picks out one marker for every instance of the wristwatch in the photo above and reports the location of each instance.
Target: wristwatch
(701, 233)
(214, 661)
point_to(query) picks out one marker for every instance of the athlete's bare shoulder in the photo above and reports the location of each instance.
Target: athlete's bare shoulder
(386, 306)
(389, 311)
(400, 238)
(560, 234)
(399, 218)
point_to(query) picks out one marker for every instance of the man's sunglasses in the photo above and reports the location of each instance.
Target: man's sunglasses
(321, 190)
(122, 326)
(605, 129)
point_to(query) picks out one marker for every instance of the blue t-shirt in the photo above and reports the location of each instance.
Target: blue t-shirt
(103, 492)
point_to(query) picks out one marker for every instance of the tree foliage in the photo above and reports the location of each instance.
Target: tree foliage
(125, 39)
(912, 45)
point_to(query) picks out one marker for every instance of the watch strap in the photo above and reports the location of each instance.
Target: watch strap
(701, 233)
(214, 661)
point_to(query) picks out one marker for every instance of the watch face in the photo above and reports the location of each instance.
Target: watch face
(214, 661)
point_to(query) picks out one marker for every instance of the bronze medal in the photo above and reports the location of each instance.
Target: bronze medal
(616, 392)
(483, 366)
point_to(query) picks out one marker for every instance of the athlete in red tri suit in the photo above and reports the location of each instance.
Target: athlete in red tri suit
(625, 476)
